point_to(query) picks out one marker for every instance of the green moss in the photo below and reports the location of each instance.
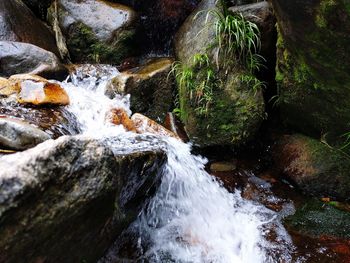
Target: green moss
(84, 45)
(316, 219)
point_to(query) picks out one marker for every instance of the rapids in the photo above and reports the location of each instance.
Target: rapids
(191, 217)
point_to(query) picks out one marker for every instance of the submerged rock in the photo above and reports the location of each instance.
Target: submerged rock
(70, 198)
(314, 166)
(313, 62)
(149, 86)
(236, 109)
(96, 31)
(21, 58)
(16, 134)
(18, 23)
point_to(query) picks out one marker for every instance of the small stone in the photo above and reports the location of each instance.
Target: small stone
(223, 167)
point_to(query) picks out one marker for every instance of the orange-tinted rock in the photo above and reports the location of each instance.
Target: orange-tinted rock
(6, 89)
(146, 125)
(119, 116)
(36, 90)
(174, 124)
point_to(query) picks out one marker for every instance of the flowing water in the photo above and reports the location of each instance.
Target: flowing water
(192, 217)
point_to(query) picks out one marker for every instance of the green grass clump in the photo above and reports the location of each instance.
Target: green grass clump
(237, 41)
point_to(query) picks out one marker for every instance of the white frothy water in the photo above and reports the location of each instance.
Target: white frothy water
(191, 218)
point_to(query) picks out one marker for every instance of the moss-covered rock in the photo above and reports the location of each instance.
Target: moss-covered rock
(95, 31)
(315, 218)
(313, 66)
(313, 166)
(236, 109)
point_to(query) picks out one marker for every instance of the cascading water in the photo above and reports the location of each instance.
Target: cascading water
(191, 217)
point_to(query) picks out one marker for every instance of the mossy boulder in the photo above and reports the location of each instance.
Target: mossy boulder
(237, 109)
(313, 166)
(316, 219)
(95, 31)
(313, 66)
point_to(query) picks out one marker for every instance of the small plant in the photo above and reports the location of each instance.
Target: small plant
(235, 37)
(197, 82)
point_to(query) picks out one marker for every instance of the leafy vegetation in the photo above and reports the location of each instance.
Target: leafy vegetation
(237, 41)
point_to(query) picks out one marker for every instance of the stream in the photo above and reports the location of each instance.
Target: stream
(191, 217)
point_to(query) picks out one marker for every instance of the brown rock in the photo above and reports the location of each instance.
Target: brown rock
(173, 124)
(223, 166)
(146, 125)
(37, 90)
(119, 116)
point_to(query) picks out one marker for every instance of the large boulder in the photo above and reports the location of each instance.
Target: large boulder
(313, 166)
(237, 110)
(18, 23)
(19, 135)
(67, 200)
(19, 58)
(313, 66)
(149, 86)
(95, 31)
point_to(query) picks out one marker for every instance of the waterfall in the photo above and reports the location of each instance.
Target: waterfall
(191, 217)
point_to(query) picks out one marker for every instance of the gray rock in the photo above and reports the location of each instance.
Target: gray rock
(18, 23)
(67, 200)
(19, 135)
(96, 31)
(18, 58)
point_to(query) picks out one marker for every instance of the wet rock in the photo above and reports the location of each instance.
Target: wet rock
(19, 135)
(67, 199)
(317, 219)
(313, 66)
(172, 123)
(236, 110)
(119, 116)
(55, 121)
(223, 166)
(18, 23)
(37, 90)
(96, 31)
(149, 86)
(16, 57)
(314, 166)
(146, 125)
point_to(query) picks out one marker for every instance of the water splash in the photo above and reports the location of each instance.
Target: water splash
(191, 218)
